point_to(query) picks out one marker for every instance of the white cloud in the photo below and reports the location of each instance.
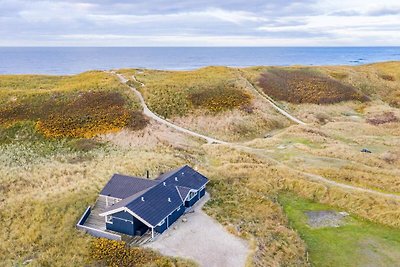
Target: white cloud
(204, 22)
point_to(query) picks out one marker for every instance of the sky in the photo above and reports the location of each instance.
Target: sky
(200, 23)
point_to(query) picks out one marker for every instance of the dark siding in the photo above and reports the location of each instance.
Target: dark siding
(126, 227)
(161, 228)
(175, 215)
(120, 223)
(123, 215)
(202, 192)
(192, 201)
(121, 226)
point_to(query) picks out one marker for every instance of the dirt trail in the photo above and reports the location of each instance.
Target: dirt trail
(312, 177)
(274, 105)
(156, 117)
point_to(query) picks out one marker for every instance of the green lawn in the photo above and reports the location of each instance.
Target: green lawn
(358, 243)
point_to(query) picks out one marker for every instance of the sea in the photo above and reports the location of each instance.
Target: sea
(72, 60)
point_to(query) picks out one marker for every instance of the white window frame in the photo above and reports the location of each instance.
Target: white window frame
(194, 194)
(109, 219)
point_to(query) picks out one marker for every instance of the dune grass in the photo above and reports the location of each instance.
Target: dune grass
(177, 93)
(306, 86)
(83, 105)
(59, 177)
(213, 101)
(357, 243)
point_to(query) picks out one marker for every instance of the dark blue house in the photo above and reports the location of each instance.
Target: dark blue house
(136, 205)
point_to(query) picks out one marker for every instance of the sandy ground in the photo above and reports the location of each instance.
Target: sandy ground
(202, 239)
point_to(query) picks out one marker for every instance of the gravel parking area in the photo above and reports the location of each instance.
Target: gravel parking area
(199, 237)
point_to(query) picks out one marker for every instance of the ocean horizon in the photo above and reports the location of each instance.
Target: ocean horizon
(73, 60)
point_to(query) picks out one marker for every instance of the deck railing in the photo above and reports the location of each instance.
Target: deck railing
(93, 231)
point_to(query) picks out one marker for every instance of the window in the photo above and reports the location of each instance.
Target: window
(109, 219)
(191, 195)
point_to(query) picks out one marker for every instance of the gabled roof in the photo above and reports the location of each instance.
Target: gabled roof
(122, 186)
(158, 203)
(186, 177)
(154, 201)
(183, 191)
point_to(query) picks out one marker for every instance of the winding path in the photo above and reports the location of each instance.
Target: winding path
(311, 177)
(156, 117)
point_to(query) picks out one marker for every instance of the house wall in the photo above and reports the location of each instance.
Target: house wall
(171, 219)
(191, 202)
(175, 215)
(122, 222)
(202, 192)
(161, 228)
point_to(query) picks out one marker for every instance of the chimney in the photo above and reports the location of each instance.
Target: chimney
(147, 174)
(142, 199)
(169, 199)
(164, 184)
(176, 179)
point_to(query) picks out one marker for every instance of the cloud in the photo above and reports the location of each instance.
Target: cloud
(201, 22)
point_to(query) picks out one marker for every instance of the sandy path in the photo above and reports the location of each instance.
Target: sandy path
(275, 106)
(203, 240)
(154, 116)
(312, 177)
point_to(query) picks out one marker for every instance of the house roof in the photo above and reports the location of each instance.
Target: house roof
(183, 191)
(159, 199)
(122, 186)
(186, 177)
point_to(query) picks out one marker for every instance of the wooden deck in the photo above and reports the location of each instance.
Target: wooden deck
(94, 220)
(98, 222)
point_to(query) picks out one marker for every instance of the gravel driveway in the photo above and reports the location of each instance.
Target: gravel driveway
(202, 239)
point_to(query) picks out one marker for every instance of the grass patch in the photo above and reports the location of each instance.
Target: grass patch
(306, 86)
(355, 244)
(177, 93)
(114, 253)
(72, 106)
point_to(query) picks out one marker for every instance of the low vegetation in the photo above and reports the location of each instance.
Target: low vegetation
(178, 93)
(306, 86)
(74, 107)
(357, 243)
(59, 177)
(383, 118)
(114, 253)
(215, 101)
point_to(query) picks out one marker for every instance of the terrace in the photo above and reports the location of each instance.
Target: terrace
(95, 225)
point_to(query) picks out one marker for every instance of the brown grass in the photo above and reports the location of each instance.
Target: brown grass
(383, 118)
(304, 86)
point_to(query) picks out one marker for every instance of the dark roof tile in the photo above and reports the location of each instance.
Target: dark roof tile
(122, 186)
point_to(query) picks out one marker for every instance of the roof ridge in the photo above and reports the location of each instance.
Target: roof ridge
(170, 173)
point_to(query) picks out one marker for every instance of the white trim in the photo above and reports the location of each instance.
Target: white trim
(84, 227)
(192, 191)
(111, 197)
(122, 219)
(161, 223)
(166, 217)
(129, 211)
(138, 217)
(109, 220)
(80, 220)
